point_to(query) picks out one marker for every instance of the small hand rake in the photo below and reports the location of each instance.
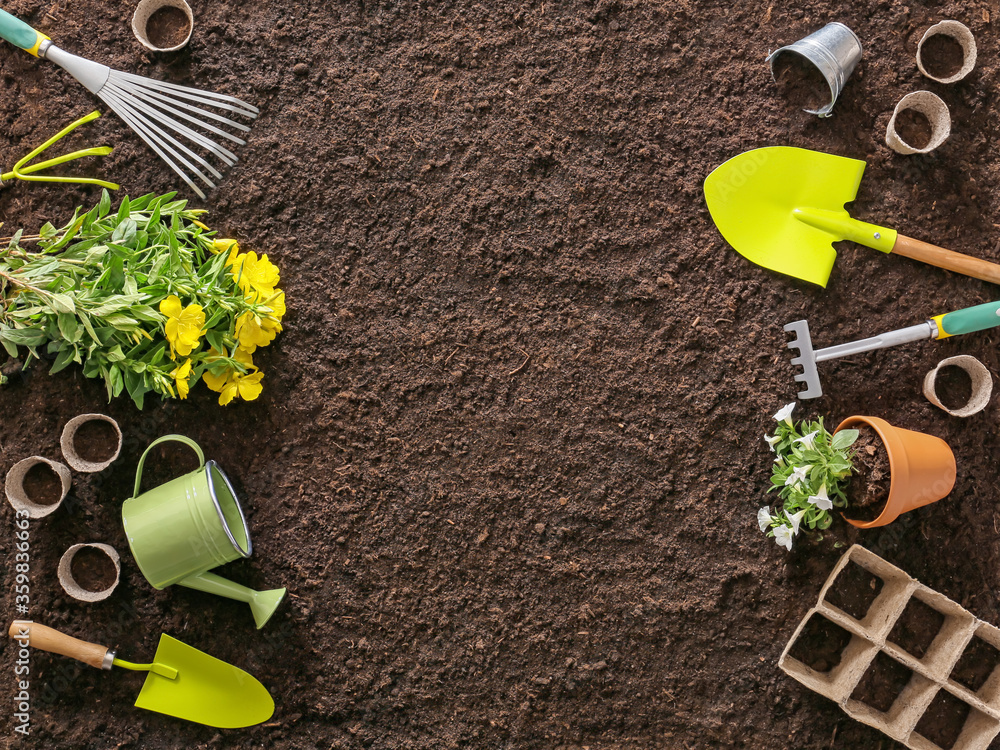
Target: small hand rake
(978, 318)
(151, 108)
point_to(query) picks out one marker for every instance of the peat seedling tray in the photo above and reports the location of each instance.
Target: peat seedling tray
(892, 672)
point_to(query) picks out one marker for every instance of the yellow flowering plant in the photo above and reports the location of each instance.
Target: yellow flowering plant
(146, 298)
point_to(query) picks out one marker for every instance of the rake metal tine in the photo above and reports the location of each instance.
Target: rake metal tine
(166, 140)
(810, 374)
(162, 149)
(210, 98)
(207, 143)
(174, 106)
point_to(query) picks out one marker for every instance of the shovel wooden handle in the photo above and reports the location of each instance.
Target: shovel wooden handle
(42, 637)
(947, 259)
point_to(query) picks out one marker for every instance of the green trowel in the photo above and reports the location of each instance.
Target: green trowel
(783, 208)
(181, 681)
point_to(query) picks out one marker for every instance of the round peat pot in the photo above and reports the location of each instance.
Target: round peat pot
(981, 380)
(922, 469)
(931, 106)
(963, 37)
(163, 25)
(180, 530)
(73, 587)
(81, 440)
(25, 498)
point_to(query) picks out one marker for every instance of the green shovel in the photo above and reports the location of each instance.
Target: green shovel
(182, 681)
(783, 208)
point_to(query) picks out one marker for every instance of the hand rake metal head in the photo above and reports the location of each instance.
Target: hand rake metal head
(807, 361)
(155, 108)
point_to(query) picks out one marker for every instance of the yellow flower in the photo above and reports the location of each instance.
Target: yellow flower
(199, 224)
(253, 274)
(181, 375)
(184, 325)
(234, 383)
(272, 321)
(251, 333)
(247, 387)
(226, 246)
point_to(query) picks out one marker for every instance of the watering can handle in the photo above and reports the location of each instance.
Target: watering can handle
(166, 438)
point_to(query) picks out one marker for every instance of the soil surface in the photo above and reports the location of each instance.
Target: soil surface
(92, 569)
(913, 128)
(943, 720)
(800, 82)
(854, 590)
(821, 644)
(953, 386)
(871, 477)
(167, 27)
(42, 485)
(509, 454)
(976, 664)
(916, 628)
(882, 682)
(942, 56)
(95, 441)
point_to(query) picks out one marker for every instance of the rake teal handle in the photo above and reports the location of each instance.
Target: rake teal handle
(18, 33)
(969, 320)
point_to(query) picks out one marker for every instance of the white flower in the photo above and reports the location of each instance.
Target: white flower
(796, 519)
(785, 413)
(764, 519)
(809, 441)
(783, 536)
(798, 475)
(771, 441)
(821, 500)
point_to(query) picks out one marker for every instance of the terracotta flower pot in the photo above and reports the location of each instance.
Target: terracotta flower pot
(922, 469)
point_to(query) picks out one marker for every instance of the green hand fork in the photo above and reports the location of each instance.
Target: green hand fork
(29, 172)
(969, 320)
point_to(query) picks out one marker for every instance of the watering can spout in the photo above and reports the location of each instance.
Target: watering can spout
(263, 604)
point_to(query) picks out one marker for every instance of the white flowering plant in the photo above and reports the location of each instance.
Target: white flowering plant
(811, 469)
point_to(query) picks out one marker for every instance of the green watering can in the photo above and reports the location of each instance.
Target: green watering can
(180, 530)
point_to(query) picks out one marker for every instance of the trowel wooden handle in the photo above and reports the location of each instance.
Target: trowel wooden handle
(45, 638)
(947, 259)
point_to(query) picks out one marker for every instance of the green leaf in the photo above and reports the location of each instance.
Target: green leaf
(65, 358)
(123, 209)
(844, 439)
(69, 328)
(124, 234)
(105, 205)
(63, 303)
(9, 346)
(23, 336)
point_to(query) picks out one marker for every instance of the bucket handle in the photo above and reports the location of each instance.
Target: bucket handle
(175, 438)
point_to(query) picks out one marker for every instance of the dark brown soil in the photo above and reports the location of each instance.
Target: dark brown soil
(95, 441)
(42, 485)
(913, 128)
(93, 569)
(800, 82)
(943, 720)
(942, 56)
(821, 644)
(917, 627)
(167, 27)
(976, 664)
(508, 454)
(882, 682)
(953, 386)
(870, 479)
(854, 590)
